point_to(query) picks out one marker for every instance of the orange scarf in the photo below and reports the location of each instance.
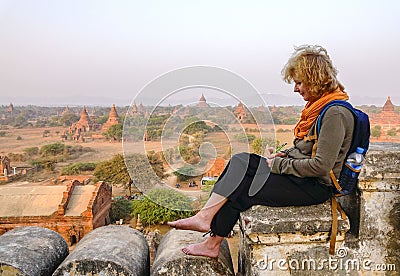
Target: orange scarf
(312, 110)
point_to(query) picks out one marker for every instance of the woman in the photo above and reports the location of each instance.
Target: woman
(290, 177)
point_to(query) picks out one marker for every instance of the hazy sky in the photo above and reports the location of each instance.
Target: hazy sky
(53, 51)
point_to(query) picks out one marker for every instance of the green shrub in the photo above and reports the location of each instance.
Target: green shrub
(45, 163)
(52, 149)
(162, 205)
(245, 137)
(78, 168)
(184, 173)
(121, 208)
(31, 151)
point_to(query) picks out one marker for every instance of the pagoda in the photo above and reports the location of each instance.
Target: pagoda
(113, 119)
(240, 112)
(387, 116)
(79, 128)
(66, 110)
(202, 102)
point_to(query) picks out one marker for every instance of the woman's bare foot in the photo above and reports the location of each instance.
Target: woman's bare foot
(208, 248)
(196, 223)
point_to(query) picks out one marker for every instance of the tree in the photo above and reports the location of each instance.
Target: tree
(168, 154)
(78, 168)
(119, 171)
(68, 119)
(391, 132)
(113, 171)
(114, 132)
(140, 168)
(245, 137)
(259, 145)
(46, 133)
(376, 132)
(120, 209)
(228, 153)
(31, 151)
(197, 126)
(156, 162)
(52, 149)
(184, 173)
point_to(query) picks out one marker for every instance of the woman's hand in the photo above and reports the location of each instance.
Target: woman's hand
(268, 152)
(280, 154)
(271, 155)
(269, 161)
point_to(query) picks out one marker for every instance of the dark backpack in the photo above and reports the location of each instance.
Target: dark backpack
(348, 178)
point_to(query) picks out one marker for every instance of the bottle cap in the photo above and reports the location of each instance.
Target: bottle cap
(359, 150)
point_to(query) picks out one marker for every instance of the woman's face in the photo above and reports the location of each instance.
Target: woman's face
(302, 90)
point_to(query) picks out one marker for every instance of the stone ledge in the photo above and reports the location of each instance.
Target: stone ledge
(170, 260)
(387, 185)
(108, 250)
(31, 250)
(383, 165)
(293, 224)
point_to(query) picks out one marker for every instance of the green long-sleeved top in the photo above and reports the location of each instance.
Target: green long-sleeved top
(334, 141)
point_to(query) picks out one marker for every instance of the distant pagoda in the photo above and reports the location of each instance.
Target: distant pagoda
(240, 112)
(202, 102)
(84, 125)
(113, 119)
(387, 116)
(66, 110)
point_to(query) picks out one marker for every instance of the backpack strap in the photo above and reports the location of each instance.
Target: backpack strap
(335, 182)
(335, 207)
(314, 138)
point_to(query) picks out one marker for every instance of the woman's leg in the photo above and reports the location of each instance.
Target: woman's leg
(208, 248)
(230, 179)
(202, 220)
(278, 191)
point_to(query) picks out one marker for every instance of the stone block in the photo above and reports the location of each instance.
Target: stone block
(31, 251)
(381, 165)
(295, 224)
(271, 236)
(108, 250)
(170, 260)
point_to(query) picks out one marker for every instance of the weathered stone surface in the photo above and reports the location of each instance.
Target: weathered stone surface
(170, 260)
(271, 236)
(379, 226)
(381, 165)
(31, 251)
(304, 220)
(108, 250)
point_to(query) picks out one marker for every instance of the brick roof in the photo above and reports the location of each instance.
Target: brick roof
(24, 201)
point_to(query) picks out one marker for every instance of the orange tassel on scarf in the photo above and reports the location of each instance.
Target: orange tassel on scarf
(312, 110)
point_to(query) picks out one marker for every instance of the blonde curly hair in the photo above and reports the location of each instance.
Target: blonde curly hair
(311, 65)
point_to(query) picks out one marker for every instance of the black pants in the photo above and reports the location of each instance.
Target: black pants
(247, 181)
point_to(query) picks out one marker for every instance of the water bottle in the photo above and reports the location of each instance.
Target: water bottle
(356, 159)
(349, 175)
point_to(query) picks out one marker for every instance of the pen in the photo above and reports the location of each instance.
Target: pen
(278, 148)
